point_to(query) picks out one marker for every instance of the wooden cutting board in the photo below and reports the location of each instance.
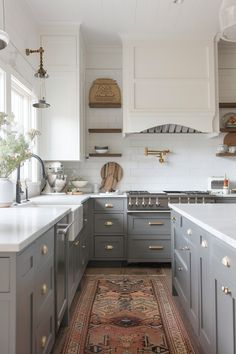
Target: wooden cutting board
(230, 139)
(111, 174)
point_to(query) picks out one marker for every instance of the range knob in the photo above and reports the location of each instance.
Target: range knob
(157, 202)
(136, 202)
(130, 202)
(143, 202)
(150, 202)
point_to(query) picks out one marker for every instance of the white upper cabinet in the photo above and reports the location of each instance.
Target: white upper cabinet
(62, 123)
(169, 83)
(227, 72)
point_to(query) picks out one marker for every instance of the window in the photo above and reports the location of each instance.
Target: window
(2, 90)
(25, 116)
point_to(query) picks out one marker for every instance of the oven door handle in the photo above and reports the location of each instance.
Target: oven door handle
(63, 228)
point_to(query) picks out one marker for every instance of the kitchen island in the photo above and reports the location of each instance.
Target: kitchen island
(27, 263)
(203, 276)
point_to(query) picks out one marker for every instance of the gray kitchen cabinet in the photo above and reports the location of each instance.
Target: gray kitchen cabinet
(185, 266)
(109, 204)
(79, 254)
(206, 305)
(109, 229)
(148, 237)
(204, 279)
(27, 298)
(224, 295)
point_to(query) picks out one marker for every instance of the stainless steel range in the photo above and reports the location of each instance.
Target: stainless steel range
(144, 200)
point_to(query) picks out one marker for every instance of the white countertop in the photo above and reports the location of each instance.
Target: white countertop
(21, 226)
(217, 219)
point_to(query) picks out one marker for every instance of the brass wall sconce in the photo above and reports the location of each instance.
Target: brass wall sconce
(41, 74)
(158, 153)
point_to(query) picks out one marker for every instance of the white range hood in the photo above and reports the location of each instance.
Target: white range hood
(228, 20)
(169, 83)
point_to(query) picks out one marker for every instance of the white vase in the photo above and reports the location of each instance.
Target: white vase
(6, 192)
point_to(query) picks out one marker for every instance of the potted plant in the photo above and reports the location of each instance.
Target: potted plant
(14, 149)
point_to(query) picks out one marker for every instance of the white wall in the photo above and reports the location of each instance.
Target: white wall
(192, 157)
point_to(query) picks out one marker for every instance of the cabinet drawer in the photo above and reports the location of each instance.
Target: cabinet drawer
(109, 247)
(44, 286)
(44, 247)
(45, 333)
(149, 249)
(151, 224)
(224, 260)
(5, 275)
(109, 204)
(109, 223)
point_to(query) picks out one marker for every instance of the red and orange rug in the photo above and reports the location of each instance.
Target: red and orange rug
(126, 315)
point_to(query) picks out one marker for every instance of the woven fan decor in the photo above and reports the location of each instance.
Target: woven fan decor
(104, 93)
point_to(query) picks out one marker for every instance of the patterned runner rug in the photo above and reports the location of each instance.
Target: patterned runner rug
(126, 315)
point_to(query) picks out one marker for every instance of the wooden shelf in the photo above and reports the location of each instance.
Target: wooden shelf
(105, 130)
(228, 154)
(228, 130)
(105, 155)
(227, 105)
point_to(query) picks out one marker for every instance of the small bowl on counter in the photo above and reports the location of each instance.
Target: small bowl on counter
(79, 184)
(101, 149)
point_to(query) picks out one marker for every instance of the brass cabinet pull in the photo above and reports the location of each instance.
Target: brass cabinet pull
(173, 218)
(226, 261)
(155, 223)
(108, 205)
(185, 248)
(76, 243)
(44, 289)
(43, 341)
(44, 249)
(156, 248)
(108, 247)
(189, 232)
(204, 243)
(226, 290)
(180, 269)
(108, 223)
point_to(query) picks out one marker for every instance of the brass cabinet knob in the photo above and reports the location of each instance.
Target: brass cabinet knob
(44, 249)
(108, 223)
(173, 218)
(180, 269)
(44, 289)
(43, 341)
(226, 261)
(76, 243)
(85, 220)
(156, 248)
(83, 246)
(189, 232)
(225, 290)
(108, 247)
(108, 205)
(204, 243)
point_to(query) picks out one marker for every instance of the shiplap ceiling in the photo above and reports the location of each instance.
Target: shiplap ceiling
(104, 21)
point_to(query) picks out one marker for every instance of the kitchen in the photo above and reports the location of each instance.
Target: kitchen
(170, 139)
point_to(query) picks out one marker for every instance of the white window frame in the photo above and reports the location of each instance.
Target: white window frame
(2, 90)
(29, 170)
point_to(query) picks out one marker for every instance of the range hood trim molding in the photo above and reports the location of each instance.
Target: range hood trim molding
(191, 121)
